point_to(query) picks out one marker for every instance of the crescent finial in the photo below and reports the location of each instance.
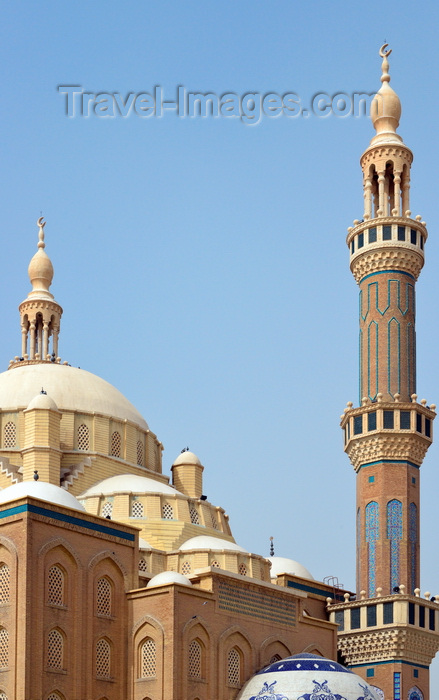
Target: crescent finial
(41, 224)
(384, 53)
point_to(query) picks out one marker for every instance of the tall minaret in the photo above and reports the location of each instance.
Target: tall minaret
(388, 631)
(40, 314)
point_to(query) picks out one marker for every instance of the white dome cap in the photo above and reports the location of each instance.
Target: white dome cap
(128, 483)
(42, 400)
(206, 542)
(167, 577)
(307, 676)
(282, 565)
(71, 388)
(42, 490)
(187, 458)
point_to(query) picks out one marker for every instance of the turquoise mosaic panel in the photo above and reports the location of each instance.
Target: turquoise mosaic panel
(394, 534)
(372, 535)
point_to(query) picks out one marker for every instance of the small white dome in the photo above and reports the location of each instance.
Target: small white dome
(42, 490)
(282, 565)
(42, 401)
(127, 483)
(187, 458)
(168, 577)
(206, 542)
(143, 544)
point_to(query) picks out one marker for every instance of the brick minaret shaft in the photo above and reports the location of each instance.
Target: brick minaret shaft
(387, 437)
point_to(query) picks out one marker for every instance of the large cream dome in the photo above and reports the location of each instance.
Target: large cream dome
(71, 388)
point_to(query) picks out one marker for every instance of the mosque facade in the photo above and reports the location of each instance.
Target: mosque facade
(118, 582)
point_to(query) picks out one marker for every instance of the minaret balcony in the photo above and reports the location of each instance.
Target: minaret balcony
(387, 243)
(380, 430)
(397, 620)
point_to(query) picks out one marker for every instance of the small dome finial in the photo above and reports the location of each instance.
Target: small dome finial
(271, 546)
(40, 268)
(385, 109)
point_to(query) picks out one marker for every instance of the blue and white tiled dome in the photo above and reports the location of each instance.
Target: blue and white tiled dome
(306, 677)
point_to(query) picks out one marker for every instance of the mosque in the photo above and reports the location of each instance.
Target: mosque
(118, 582)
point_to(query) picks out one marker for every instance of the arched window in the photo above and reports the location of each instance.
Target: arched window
(83, 437)
(195, 665)
(136, 509)
(413, 538)
(148, 659)
(55, 649)
(3, 695)
(275, 658)
(394, 534)
(415, 694)
(234, 668)
(372, 535)
(195, 520)
(140, 453)
(55, 586)
(4, 648)
(167, 512)
(116, 442)
(186, 568)
(4, 583)
(107, 509)
(103, 597)
(9, 435)
(55, 696)
(103, 658)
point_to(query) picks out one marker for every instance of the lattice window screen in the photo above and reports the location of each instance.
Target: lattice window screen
(116, 442)
(195, 659)
(3, 696)
(4, 583)
(186, 568)
(143, 565)
(243, 570)
(215, 564)
(275, 658)
(4, 648)
(140, 453)
(55, 586)
(137, 509)
(55, 644)
(53, 696)
(83, 437)
(234, 668)
(103, 597)
(167, 512)
(107, 509)
(214, 520)
(149, 659)
(195, 519)
(103, 659)
(10, 435)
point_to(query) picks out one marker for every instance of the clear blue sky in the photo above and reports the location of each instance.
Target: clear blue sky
(201, 263)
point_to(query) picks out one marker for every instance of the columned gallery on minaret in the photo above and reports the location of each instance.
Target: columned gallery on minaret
(121, 582)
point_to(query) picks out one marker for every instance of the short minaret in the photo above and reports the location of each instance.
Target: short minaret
(388, 435)
(187, 474)
(41, 451)
(40, 314)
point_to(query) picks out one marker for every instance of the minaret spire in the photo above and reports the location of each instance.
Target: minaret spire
(40, 314)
